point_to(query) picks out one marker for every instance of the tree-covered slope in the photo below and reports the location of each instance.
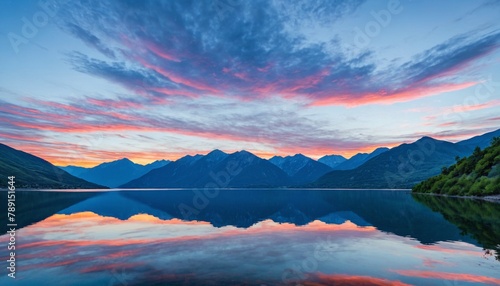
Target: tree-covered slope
(477, 175)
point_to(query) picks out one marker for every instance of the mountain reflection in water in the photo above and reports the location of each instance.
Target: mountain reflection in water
(254, 237)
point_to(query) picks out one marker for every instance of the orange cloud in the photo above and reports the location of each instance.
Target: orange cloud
(450, 276)
(452, 249)
(319, 279)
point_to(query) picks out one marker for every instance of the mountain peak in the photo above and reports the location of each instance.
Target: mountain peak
(426, 138)
(245, 152)
(216, 152)
(332, 160)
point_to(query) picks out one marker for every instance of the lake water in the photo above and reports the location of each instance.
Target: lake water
(252, 237)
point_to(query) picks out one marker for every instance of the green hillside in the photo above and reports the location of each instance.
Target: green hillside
(34, 172)
(477, 175)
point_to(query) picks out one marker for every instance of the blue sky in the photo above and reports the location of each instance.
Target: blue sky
(83, 82)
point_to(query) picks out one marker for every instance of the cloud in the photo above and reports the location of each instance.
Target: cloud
(249, 50)
(90, 39)
(278, 130)
(450, 57)
(473, 278)
(348, 280)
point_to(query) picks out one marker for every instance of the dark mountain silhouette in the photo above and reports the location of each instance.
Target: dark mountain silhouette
(332, 160)
(216, 169)
(182, 173)
(400, 167)
(115, 173)
(249, 171)
(405, 165)
(359, 159)
(300, 168)
(34, 172)
(290, 164)
(157, 164)
(481, 141)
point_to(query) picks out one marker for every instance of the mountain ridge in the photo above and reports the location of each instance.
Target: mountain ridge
(400, 167)
(31, 171)
(111, 174)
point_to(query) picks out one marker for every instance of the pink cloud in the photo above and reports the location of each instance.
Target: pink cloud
(450, 276)
(160, 52)
(384, 97)
(317, 279)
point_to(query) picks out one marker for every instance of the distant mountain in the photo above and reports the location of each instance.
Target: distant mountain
(481, 141)
(157, 164)
(115, 173)
(76, 171)
(34, 172)
(400, 167)
(300, 168)
(332, 160)
(312, 171)
(290, 164)
(359, 159)
(216, 169)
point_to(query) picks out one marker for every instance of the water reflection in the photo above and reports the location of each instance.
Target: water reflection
(476, 218)
(253, 238)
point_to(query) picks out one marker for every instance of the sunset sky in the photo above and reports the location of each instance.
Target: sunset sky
(83, 82)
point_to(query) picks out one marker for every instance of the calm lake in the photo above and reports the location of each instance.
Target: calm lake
(251, 237)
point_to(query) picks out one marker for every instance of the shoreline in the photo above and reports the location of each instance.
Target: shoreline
(222, 189)
(489, 198)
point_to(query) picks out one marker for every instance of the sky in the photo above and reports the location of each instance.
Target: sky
(84, 82)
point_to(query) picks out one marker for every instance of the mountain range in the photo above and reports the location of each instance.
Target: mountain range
(111, 174)
(405, 165)
(400, 167)
(300, 168)
(214, 170)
